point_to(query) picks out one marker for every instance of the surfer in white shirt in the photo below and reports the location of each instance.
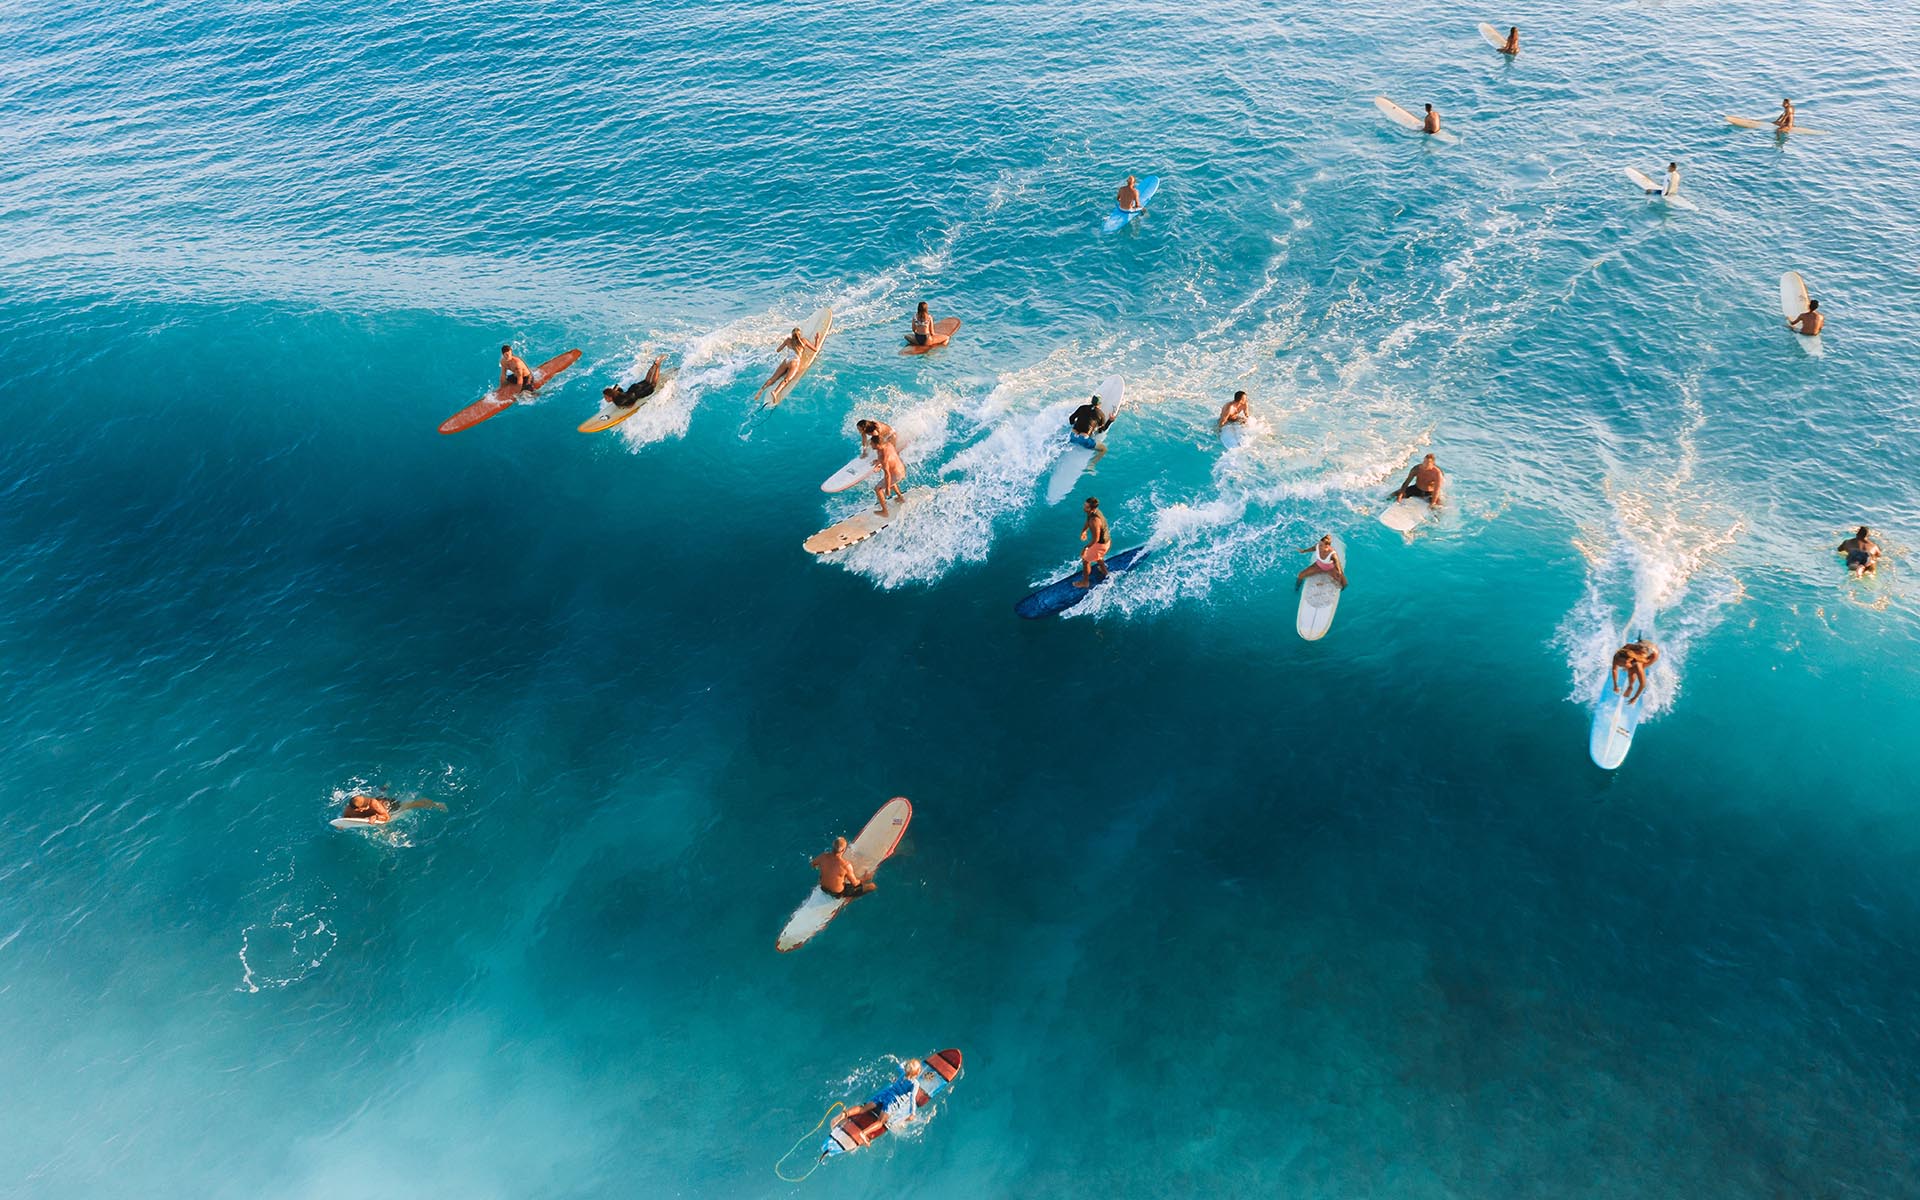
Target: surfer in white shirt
(1326, 560)
(1235, 412)
(1673, 180)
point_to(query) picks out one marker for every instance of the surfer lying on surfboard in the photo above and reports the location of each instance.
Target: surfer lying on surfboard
(377, 810)
(894, 1103)
(1634, 658)
(1234, 412)
(634, 393)
(1128, 198)
(797, 345)
(1099, 539)
(1423, 482)
(1326, 561)
(1863, 553)
(837, 876)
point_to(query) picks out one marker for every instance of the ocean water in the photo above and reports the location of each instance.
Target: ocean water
(1211, 911)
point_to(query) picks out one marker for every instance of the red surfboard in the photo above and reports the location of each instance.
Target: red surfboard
(496, 402)
(858, 1131)
(947, 327)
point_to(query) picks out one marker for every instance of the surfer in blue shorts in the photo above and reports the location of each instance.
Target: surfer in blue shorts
(1863, 553)
(894, 1103)
(1088, 422)
(1633, 658)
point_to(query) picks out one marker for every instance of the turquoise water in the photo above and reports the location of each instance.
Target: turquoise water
(1210, 910)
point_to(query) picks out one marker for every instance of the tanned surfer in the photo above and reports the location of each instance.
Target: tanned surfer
(1810, 322)
(1234, 412)
(1633, 658)
(1099, 539)
(892, 471)
(1863, 553)
(1513, 41)
(1423, 481)
(923, 331)
(1784, 122)
(1129, 197)
(1432, 123)
(837, 876)
(1326, 561)
(797, 347)
(513, 369)
(377, 810)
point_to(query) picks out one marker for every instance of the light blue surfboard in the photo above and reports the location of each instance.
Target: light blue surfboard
(1119, 217)
(1614, 721)
(1060, 595)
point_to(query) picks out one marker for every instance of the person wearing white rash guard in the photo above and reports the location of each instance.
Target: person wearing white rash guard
(1673, 180)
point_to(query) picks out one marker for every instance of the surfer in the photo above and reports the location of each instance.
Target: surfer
(1099, 539)
(923, 331)
(837, 876)
(1432, 123)
(789, 368)
(1634, 658)
(1863, 553)
(514, 370)
(1326, 561)
(892, 471)
(1810, 322)
(872, 433)
(377, 810)
(1129, 197)
(1423, 482)
(1513, 40)
(1784, 122)
(634, 393)
(1672, 187)
(1234, 413)
(894, 1104)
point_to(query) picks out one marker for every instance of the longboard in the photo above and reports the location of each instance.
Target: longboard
(1075, 459)
(500, 400)
(1406, 120)
(1232, 434)
(1614, 721)
(354, 823)
(946, 328)
(612, 414)
(1654, 191)
(1754, 123)
(1120, 218)
(1319, 598)
(856, 529)
(1494, 37)
(874, 846)
(1793, 302)
(1060, 595)
(1405, 515)
(853, 1132)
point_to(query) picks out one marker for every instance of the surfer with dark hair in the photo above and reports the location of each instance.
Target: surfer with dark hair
(1633, 658)
(634, 393)
(1810, 322)
(1513, 41)
(1784, 121)
(1099, 539)
(514, 369)
(377, 810)
(1234, 413)
(1423, 481)
(924, 334)
(1863, 553)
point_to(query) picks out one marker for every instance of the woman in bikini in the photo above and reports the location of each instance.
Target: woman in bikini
(1326, 561)
(789, 368)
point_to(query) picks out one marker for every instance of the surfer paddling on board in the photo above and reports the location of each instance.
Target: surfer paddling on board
(895, 1103)
(1512, 45)
(1863, 553)
(1326, 561)
(514, 369)
(1634, 658)
(796, 346)
(377, 810)
(1810, 322)
(634, 393)
(1099, 539)
(924, 333)
(1234, 412)
(1432, 123)
(1423, 482)
(892, 471)
(1128, 198)
(837, 876)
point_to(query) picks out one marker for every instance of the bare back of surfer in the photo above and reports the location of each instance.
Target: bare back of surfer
(1423, 482)
(514, 370)
(837, 876)
(1633, 659)
(379, 811)
(1099, 539)
(1432, 123)
(1128, 198)
(798, 350)
(1810, 322)
(1234, 412)
(1863, 553)
(1513, 40)
(892, 471)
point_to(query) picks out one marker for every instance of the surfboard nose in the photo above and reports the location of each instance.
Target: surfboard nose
(947, 1062)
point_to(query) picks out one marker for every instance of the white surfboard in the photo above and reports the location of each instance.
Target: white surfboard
(1406, 120)
(1405, 515)
(1793, 302)
(1494, 37)
(862, 466)
(1319, 598)
(1653, 191)
(1075, 459)
(1756, 123)
(857, 528)
(1614, 722)
(874, 846)
(353, 823)
(1233, 434)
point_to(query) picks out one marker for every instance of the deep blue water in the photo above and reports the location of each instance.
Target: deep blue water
(1210, 910)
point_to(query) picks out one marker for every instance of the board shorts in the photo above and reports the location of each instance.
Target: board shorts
(1095, 553)
(1858, 558)
(1083, 440)
(1415, 492)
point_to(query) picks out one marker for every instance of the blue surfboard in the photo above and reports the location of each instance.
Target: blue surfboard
(1120, 216)
(1061, 595)
(1614, 723)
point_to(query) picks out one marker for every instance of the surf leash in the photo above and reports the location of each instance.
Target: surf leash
(781, 1161)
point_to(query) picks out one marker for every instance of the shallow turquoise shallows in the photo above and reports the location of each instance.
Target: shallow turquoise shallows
(1211, 911)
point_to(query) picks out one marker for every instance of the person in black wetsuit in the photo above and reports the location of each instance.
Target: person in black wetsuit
(1088, 422)
(634, 394)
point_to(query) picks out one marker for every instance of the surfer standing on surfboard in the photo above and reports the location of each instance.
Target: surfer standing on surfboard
(789, 368)
(1634, 658)
(1810, 322)
(1863, 553)
(892, 471)
(1235, 412)
(1099, 539)
(1423, 482)
(1129, 197)
(837, 876)
(377, 810)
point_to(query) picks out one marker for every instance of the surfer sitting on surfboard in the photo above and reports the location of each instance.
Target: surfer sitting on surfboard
(1784, 121)
(789, 368)
(1099, 539)
(924, 334)
(377, 810)
(633, 394)
(514, 369)
(1513, 40)
(1128, 198)
(1423, 482)
(1326, 560)
(1810, 322)
(1235, 411)
(1863, 553)
(1634, 658)
(837, 876)
(1088, 422)
(1432, 123)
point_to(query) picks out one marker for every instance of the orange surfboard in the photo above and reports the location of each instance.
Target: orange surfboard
(496, 402)
(947, 327)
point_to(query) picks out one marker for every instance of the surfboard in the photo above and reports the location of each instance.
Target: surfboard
(1653, 191)
(610, 415)
(1793, 302)
(1060, 595)
(861, 467)
(1232, 434)
(1120, 218)
(1614, 721)
(1494, 37)
(866, 852)
(857, 528)
(852, 1132)
(353, 823)
(947, 327)
(1755, 123)
(500, 400)
(1405, 515)
(815, 328)
(1075, 459)
(1406, 120)
(1319, 598)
